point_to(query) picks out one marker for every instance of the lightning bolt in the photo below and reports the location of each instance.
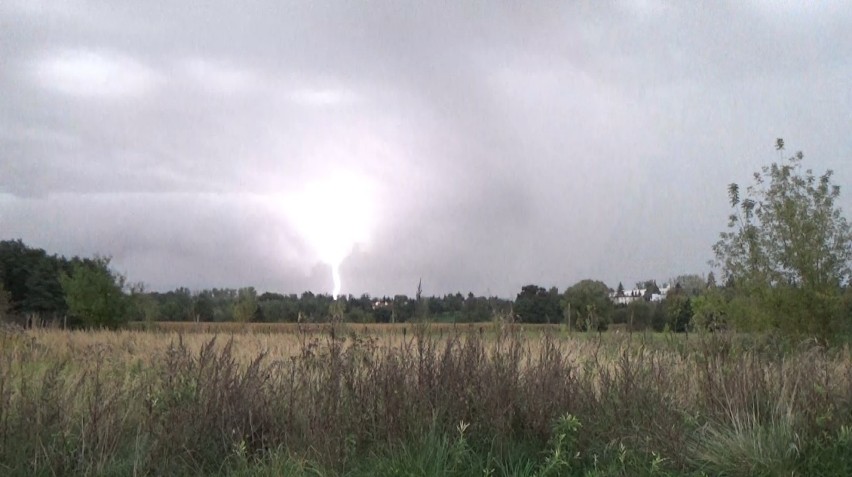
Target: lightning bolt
(333, 214)
(335, 276)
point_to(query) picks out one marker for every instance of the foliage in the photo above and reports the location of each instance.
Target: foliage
(141, 306)
(246, 308)
(830, 456)
(563, 447)
(202, 306)
(590, 304)
(787, 243)
(336, 310)
(31, 277)
(177, 305)
(534, 304)
(678, 310)
(94, 294)
(639, 314)
(709, 311)
(5, 303)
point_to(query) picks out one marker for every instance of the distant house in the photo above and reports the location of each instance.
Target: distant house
(664, 290)
(630, 296)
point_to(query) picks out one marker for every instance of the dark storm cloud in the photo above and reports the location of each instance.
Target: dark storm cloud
(506, 144)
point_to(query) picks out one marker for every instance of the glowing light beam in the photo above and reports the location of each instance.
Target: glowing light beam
(335, 277)
(334, 214)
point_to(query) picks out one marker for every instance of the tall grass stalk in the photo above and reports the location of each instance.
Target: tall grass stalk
(343, 402)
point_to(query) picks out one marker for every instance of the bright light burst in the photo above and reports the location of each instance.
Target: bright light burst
(335, 277)
(333, 214)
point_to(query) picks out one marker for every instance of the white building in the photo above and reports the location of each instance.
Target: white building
(630, 296)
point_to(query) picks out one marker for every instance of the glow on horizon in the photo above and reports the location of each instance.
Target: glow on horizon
(333, 214)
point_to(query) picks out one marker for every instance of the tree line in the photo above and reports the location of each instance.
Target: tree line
(590, 305)
(247, 305)
(36, 287)
(784, 261)
(39, 288)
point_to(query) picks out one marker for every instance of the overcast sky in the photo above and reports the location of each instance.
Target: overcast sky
(479, 146)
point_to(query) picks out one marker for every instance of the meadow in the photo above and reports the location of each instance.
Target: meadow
(409, 399)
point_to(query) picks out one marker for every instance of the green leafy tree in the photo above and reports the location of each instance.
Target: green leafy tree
(149, 308)
(94, 294)
(202, 306)
(476, 309)
(709, 310)
(245, 309)
(590, 304)
(639, 315)
(141, 306)
(337, 310)
(176, 305)
(788, 247)
(44, 292)
(402, 309)
(31, 277)
(276, 307)
(678, 309)
(535, 304)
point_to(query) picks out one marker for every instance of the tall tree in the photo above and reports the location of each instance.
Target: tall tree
(177, 305)
(590, 304)
(678, 309)
(534, 304)
(202, 306)
(141, 306)
(94, 293)
(44, 292)
(245, 309)
(789, 244)
(639, 315)
(31, 276)
(709, 310)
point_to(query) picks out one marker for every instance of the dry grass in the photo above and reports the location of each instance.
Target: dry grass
(166, 402)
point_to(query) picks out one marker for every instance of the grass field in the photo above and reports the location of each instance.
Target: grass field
(481, 399)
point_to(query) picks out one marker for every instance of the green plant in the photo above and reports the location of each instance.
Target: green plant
(747, 445)
(562, 453)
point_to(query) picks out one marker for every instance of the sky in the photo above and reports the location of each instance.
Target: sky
(478, 146)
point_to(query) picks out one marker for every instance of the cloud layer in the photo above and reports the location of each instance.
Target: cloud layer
(503, 145)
